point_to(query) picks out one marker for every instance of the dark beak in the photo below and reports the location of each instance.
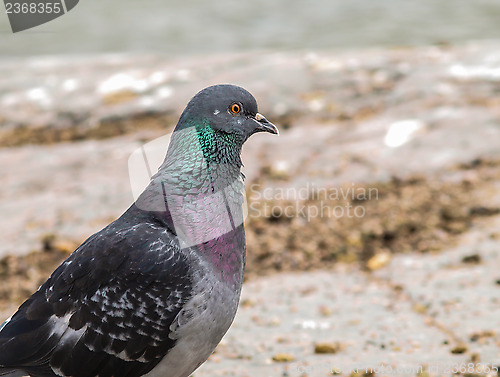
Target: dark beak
(264, 125)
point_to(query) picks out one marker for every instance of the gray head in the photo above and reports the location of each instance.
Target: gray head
(227, 109)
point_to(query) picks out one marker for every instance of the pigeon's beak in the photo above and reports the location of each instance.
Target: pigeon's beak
(264, 125)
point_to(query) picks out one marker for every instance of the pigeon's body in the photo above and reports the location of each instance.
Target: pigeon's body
(153, 292)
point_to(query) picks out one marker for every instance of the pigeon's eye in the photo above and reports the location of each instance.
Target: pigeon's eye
(235, 108)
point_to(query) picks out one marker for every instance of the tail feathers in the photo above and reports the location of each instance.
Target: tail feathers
(25, 345)
(7, 372)
(11, 373)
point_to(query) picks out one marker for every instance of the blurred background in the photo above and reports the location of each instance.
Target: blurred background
(179, 28)
(373, 229)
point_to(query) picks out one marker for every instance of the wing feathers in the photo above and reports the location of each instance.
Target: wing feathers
(108, 307)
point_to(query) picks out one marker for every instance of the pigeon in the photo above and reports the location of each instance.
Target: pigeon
(153, 293)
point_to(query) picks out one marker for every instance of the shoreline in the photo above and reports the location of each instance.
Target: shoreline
(74, 98)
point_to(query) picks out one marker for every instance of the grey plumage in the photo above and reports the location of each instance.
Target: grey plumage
(153, 292)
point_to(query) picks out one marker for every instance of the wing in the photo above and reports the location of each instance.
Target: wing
(105, 311)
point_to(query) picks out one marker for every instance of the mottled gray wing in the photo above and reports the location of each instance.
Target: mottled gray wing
(105, 311)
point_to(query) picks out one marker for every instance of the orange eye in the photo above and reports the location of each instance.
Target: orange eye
(235, 108)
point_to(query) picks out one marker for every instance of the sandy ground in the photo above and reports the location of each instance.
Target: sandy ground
(418, 315)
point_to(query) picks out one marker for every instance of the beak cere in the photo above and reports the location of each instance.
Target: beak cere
(264, 125)
(259, 117)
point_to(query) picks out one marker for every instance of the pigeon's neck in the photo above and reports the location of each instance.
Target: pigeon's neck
(219, 147)
(202, 168)
(199, 188)
(221, 156)
(210, 158)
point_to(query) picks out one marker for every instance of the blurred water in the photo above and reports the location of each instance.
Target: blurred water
(190, 27)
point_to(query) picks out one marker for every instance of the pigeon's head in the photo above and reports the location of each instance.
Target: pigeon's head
(230, 111)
